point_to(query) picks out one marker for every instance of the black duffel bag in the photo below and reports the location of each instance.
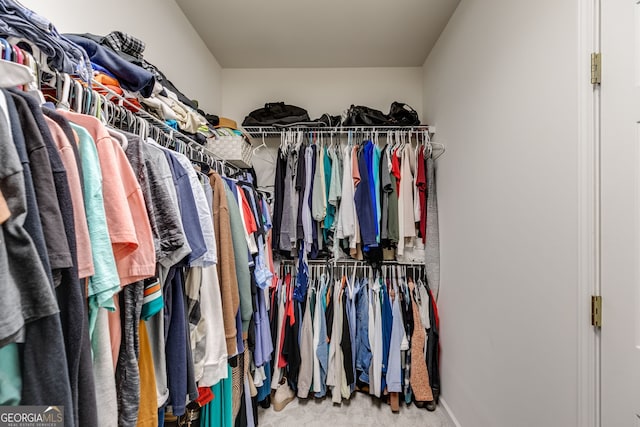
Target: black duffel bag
(276, 113)
(359, 115)
(401, 114)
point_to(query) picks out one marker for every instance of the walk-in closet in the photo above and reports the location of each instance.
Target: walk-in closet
(280, 213)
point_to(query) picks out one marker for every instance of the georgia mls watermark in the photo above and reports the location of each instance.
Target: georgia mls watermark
(31, 416)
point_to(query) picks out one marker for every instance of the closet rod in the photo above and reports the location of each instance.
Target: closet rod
(352, 262)
(256, 131)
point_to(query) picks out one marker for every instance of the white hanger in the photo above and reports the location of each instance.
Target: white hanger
(66, 88)
(79, 92)
(262, 145)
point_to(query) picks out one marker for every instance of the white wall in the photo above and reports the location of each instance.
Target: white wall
(172, 43)
(501, 89)
(319, 90)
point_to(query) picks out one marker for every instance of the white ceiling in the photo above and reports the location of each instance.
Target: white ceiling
(327, 33)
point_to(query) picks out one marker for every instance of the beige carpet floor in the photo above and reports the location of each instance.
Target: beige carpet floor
(360, 410)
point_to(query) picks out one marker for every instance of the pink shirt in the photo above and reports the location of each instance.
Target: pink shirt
(127, 218)
(83, 243)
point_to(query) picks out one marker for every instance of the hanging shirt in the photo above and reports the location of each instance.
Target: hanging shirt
(402, 195)
(25, 279)
(105, 282)
(263, 271)
(67, 155)
(134, 253)
(387, 325)
(385, 186)
(394, 366)
(208, 192)
(317, 315)
(80, 373)
(356, 246)
(113, 166)
(319, 201)
(365, 204)
(375, 338)
(278, 198)
(301, 195)
(375, 172)
(432, 233)
(294, 159)
(346, 220)
(148, 410)
(363, 346)
(207, 339)
(263, 342)
(226, 266)
(176, 341)
(307, 222)
(407, 169)
(306, 353)
(240, 253)
(204, 214)
(57, 248)
(336, 358)
(421, 185)
(173, 242)
(322, 349)
(248, 220)
(392, 210)
(188, 210)
(285, 235)
(346, 342)
(335, 189)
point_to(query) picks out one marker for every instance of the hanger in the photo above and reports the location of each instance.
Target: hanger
(88, 100)
(63, 95)
(255, 150)
(78, 93)
(17, 55)
(6, 49)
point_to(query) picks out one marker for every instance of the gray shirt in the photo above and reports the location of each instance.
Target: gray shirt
(287, 211)
(12, 321)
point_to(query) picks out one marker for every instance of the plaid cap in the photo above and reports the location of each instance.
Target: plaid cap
(119, 41)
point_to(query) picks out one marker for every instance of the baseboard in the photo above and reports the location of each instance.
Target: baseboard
(449, 413)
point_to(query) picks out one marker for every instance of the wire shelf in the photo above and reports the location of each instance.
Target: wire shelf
(260, 131)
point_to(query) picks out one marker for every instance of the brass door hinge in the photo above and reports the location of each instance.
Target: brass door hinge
(596, 68)
(596, 311)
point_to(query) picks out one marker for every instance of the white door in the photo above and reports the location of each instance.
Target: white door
(620, 213)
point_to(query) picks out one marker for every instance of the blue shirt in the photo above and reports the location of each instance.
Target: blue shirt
(188, 209)
(176, 340)
(363, 200)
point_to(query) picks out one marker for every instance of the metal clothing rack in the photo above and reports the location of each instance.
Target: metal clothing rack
(354, 262)
(263, 131)
(417, 270)
(284, 132)
(415, 267)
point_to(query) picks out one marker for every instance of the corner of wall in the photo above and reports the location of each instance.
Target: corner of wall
(449, 413)
(424, 91)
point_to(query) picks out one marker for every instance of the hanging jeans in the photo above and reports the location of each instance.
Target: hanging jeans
(363, 347)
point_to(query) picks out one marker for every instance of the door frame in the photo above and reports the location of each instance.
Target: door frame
(589, 202)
